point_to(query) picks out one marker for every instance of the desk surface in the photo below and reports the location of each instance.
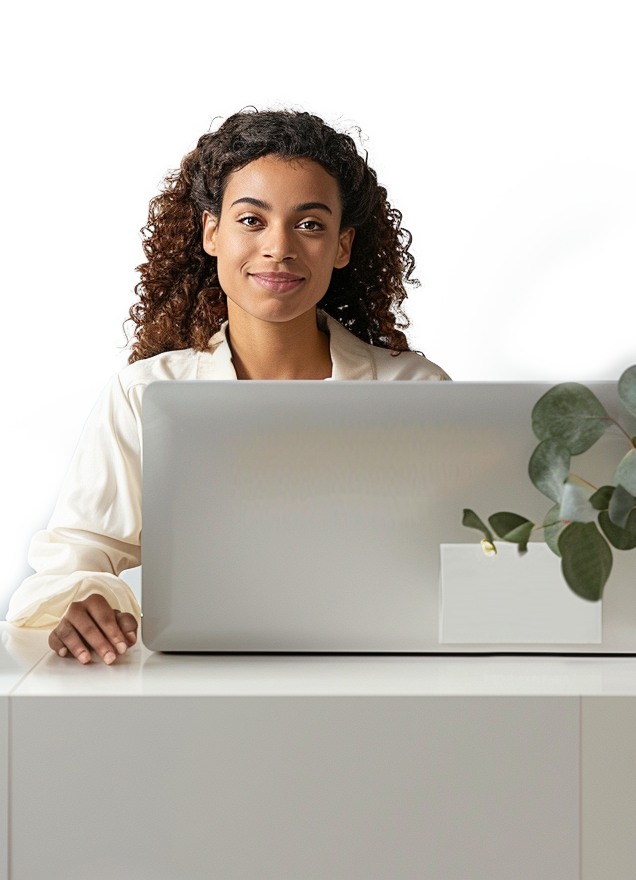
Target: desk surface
(29, 668)
(303, 788)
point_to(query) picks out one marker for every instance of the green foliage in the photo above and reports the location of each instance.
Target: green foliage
(626, 472)
(549, 467)
(575, 501)
(471, 520)
(621, 538)
(586, 559)
(601, 498)
(572, 414)
(25, 457)
(567, 420)
(627, 389)
(620, 505)
(552, 528)
(512, 527)
(17, 452)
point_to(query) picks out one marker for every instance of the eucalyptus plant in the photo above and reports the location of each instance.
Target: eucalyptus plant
(584, 520)
(10, 452)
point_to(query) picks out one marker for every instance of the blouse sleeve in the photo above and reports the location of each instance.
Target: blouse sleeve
(95, 531)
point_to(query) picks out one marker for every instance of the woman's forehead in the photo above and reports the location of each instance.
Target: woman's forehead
(285, 181)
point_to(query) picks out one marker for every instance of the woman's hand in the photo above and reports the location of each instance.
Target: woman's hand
(93, 624)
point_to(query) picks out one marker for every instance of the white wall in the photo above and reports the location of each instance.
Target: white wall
(505, 132)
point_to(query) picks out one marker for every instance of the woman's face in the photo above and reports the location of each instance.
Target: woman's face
(278, 238)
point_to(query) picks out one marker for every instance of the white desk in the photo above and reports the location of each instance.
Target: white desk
(316, 768)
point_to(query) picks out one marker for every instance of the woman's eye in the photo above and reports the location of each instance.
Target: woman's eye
(250, 221)
(311, 225)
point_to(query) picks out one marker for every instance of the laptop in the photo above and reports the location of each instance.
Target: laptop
(326, 517)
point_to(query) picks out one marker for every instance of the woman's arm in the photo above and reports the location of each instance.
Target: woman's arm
(95, 531)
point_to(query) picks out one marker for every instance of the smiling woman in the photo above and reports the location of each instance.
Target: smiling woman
(272, 253)
(182, 299)
(275, 263)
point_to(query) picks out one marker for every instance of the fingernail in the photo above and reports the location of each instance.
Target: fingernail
(63, 652)
(121, 647)
(108, 658)
(133, 637)
(84, 657)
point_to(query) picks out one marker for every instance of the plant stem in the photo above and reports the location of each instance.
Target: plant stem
(621, 429)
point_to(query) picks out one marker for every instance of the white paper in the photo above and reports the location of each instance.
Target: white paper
(511, 598)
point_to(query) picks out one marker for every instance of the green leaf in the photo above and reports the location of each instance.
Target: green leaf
(521, 536)
(625, 473)
(472, 521)
(586, 559)
(552, 528)
(620, 506)
(627, 389)
(575, 502)
(549, 467)
(506, 522)
(512, 527)
(571, 413)
(600, 500)
(621, 538)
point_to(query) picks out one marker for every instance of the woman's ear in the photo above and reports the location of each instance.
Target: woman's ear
(345, 241)
(210, 224)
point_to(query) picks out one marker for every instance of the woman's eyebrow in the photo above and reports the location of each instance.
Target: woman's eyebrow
(265, 206)
(311, 206)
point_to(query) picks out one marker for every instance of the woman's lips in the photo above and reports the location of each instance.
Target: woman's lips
(279, 282)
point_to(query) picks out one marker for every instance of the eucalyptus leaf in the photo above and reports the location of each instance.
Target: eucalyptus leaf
(575, 501)
(521, 536)
(472, 521)
(627, 389)
(513, 528)
(549, 467)
(625, 474)
(505, 522)
(620, 506)
(621, 538)
(586, 559)
(571, 413)
(552, 528)
(600, 500)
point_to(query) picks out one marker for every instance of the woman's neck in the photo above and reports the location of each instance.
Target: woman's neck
(294, 349)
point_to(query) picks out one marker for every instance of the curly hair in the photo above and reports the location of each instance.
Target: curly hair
(181, 304)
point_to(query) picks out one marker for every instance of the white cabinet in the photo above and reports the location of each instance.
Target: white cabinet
(322, 768)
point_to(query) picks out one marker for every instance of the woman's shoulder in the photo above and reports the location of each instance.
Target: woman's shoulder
(356, 359)
(178, 364)
(406, 365)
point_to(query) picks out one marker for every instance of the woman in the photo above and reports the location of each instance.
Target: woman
(272, 253)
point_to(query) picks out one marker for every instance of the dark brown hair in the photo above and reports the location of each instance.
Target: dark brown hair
(181, 304)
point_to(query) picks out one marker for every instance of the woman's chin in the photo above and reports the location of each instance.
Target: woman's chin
(273, 311)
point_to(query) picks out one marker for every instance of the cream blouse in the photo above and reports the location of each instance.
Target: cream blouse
(95, 531)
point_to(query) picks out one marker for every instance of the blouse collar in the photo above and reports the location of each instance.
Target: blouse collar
(351, 358)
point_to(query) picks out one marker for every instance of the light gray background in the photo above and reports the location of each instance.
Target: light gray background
(503, 132)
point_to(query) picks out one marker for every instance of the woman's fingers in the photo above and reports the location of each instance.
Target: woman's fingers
(128, 625)
(105, 618)
(65, 636)
(92, 624)
(57, 644)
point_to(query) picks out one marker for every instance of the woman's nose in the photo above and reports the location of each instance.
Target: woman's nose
(278, 244)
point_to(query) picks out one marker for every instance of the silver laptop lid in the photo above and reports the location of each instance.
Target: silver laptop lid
(316, 517)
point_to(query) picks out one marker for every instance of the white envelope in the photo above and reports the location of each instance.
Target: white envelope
(511, 598)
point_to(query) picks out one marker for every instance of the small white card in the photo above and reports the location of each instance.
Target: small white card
(511, 598)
